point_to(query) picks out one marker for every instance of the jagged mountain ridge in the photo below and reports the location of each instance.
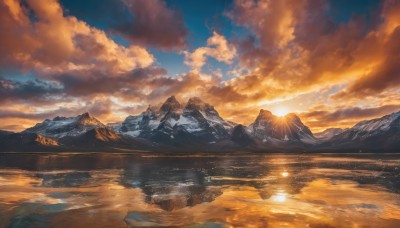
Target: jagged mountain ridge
(196, 119)
(24, 141)
(95, 137)
(199, 120)
(328, 133)
(241, 136)
(197, 125)
(273, 129)
(60, 127)
(380, 133)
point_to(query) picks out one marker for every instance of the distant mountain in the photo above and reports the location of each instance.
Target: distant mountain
(60, 127)
(196, 126)
(5, 132)
(272, 129)
(173, 123)
(272, 133)
(85, 132)
(93, 138)
(136, 125)
(329, 133)
(374, 135)
(26, 142)
(241, 136)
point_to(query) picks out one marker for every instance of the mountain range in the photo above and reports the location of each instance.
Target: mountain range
(196, 126)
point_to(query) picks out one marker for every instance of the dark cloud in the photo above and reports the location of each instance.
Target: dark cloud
(345, 116)
(25, 115)
(130, 85)
(142, 85)
(101, 108)
(30, 90)
(154, 24)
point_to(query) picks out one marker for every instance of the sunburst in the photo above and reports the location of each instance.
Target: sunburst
(282, 111)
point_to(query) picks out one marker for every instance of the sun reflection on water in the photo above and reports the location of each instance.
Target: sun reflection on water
(284, 174)
(279, 197)
(248, 196)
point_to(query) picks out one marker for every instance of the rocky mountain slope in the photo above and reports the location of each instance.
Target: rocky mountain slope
(174, 123)
(273, 129)
(373, 135)
(197, 126)
(328, 134)
(15, 142)
(60, 127)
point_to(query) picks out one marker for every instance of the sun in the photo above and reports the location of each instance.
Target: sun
(281, 111)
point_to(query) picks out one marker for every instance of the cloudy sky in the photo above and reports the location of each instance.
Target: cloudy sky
(333, 62)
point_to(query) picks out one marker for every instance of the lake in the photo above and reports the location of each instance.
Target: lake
(224, 190)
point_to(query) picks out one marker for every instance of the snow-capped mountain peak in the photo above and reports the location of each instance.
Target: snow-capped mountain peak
(328, 133)
(207, 111)
(265, 114)
(197, 103)
(61, 127)
(170, 105)
(195, 118)
(263, 121)
(150, 112)
(370, 128)
(375, 134)
(378, 124)
(269, 128)
(87, 119)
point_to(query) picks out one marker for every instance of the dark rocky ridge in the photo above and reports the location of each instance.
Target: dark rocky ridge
(196, 127)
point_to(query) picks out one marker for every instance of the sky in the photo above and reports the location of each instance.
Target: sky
(332, 62)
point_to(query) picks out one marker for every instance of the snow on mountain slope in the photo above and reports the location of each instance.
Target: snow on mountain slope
(196, 117)
(60, 127)
(170, 105)
(135, 125)
(270, 128)
(369, 128)
(374, 126)
(200, 120)
(208, 112)
(328, 133)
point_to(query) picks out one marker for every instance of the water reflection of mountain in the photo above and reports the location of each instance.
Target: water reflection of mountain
(65, 180)
(174, 182)
(194, 180)
(236, 190)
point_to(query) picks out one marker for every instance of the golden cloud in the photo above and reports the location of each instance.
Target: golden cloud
(217, 48)
(54, 43)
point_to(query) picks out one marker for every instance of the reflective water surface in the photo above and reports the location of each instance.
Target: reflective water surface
(240, 190)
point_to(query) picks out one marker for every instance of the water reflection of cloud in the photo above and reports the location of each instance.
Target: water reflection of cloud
(326, 172)
(189, 194)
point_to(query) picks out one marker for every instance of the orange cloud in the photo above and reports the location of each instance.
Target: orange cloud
(382, 43)
(57, 43)
(295, 51)
(217, 48)
(312, 52)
